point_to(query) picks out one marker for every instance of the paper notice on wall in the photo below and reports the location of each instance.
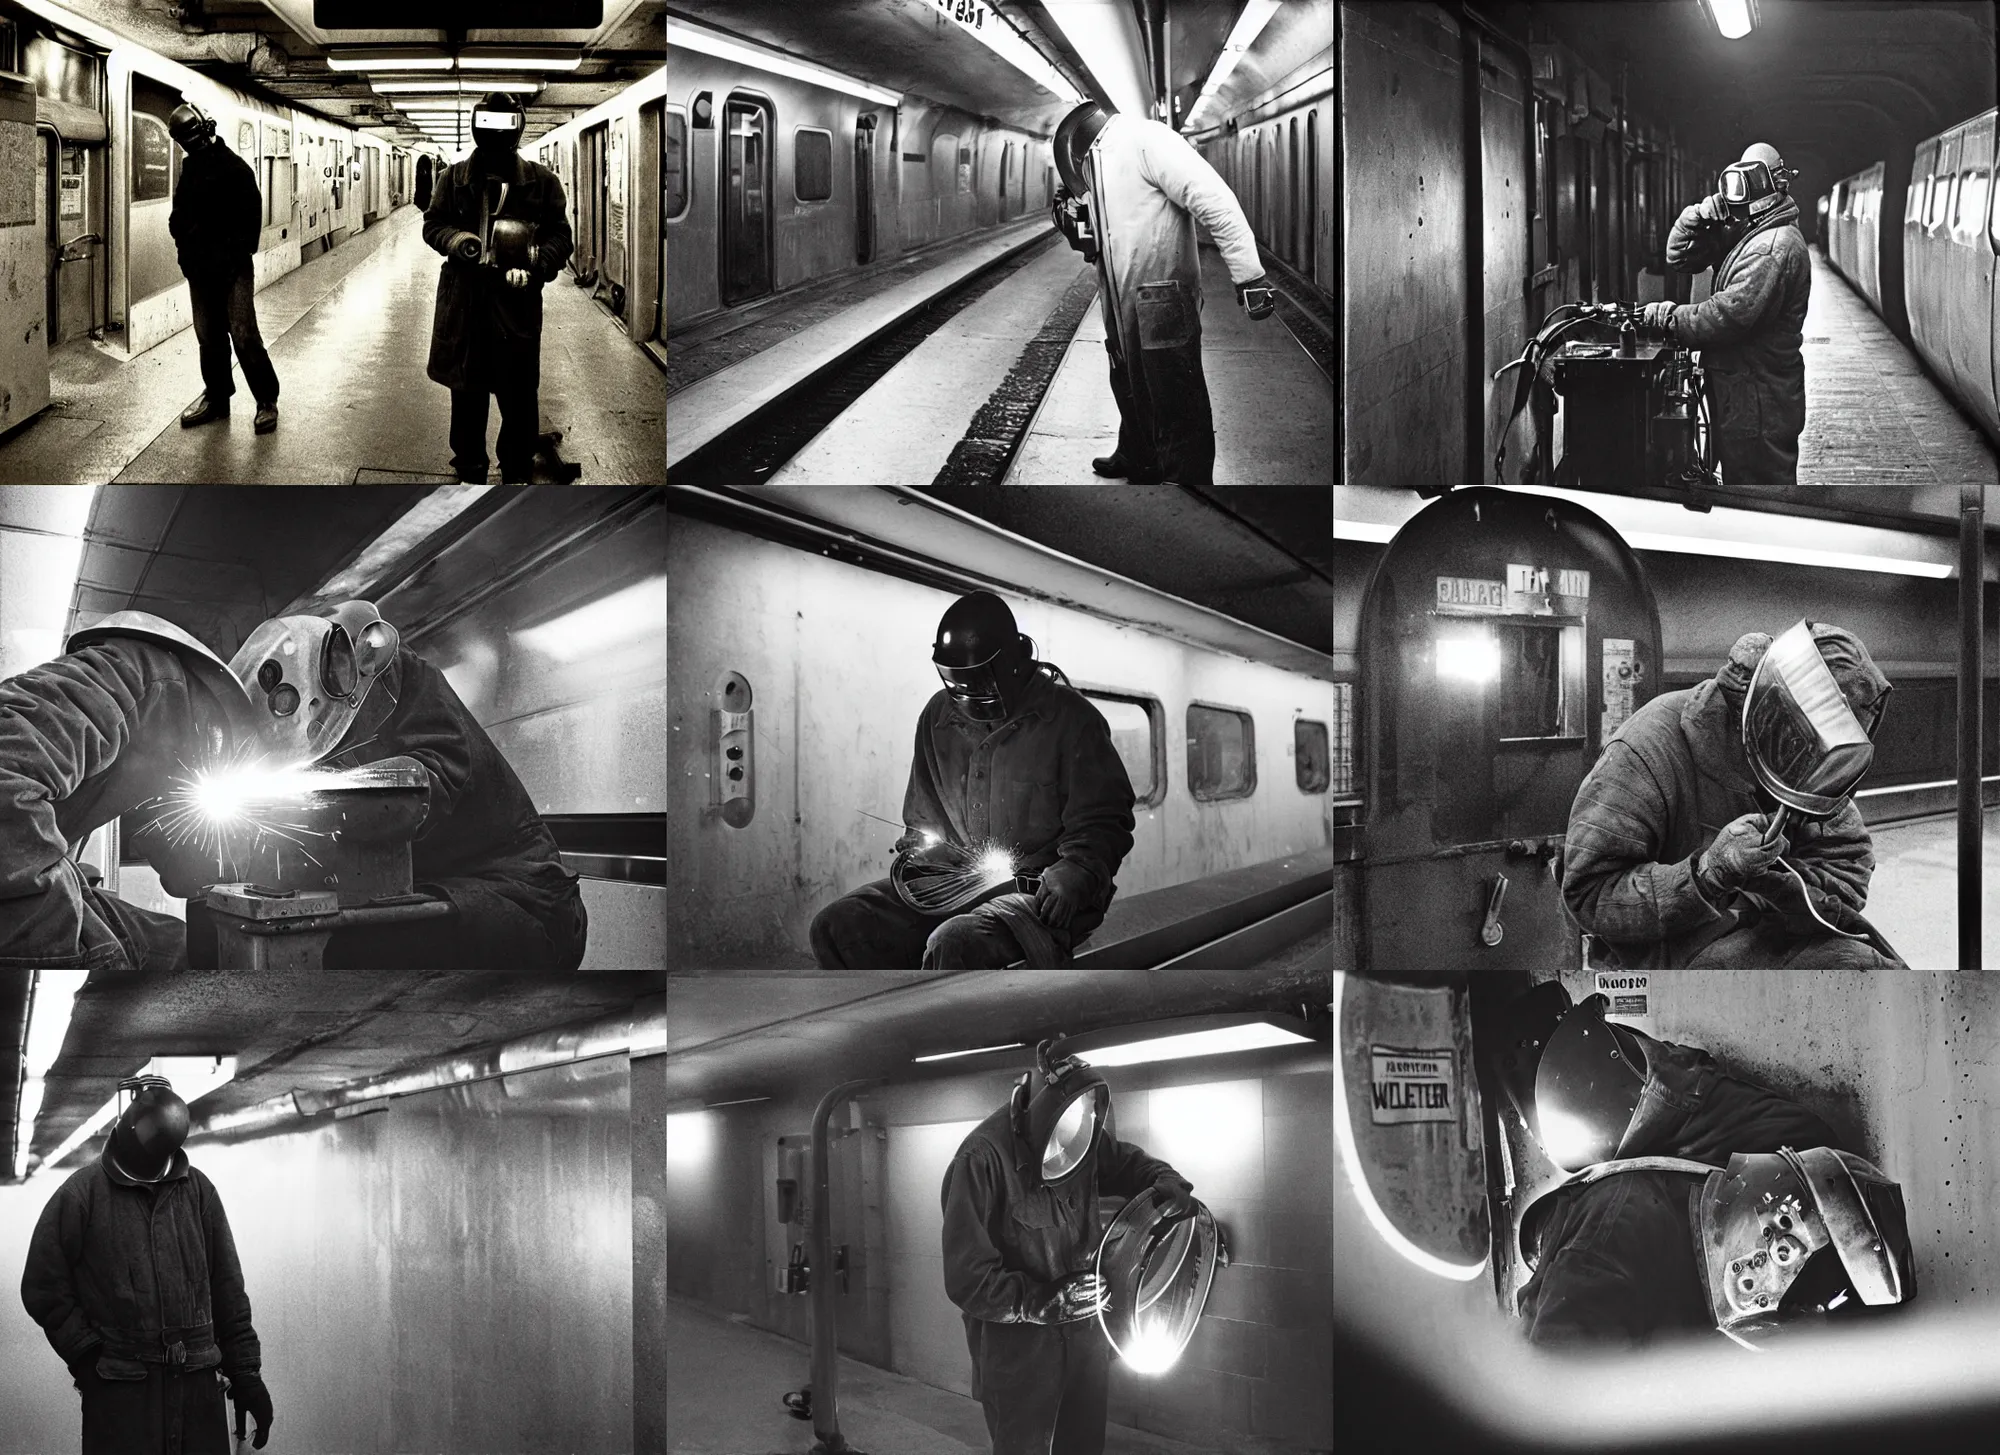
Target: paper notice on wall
(1631, 995)
(1413, 1085)
(1621, 679)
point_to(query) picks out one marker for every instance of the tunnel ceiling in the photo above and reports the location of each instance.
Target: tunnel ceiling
(1262, 555)
(805, 1039)
(306, 1030)
(272, 46)
(1833, 84)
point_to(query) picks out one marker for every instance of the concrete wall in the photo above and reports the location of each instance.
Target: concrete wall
(838, 661)
(1251, 1137)
(24, 363)
(453, 1275)
(649, 1254)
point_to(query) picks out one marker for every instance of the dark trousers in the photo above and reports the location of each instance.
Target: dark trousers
(163, 1414)
(872, 929)
(1044, 1388)
(1758, 459)
(225, 312)
(1164, 420)
(520, 426)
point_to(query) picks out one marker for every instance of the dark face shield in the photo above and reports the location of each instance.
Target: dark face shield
(1063, 1118)
(498, 128)
(1806, 745)
(1587, 1086)
(976, 689)
(150, 1128)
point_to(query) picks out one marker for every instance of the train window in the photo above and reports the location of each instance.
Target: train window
(1530, 672)
(812, 163)
(1940, 198)
(1221, 752)
(1340, 762)
(1993, 219)
(152, 158)
(1971, 208)
(1006, 167)
(1138, 733)
(676, 170)
(965, 169)
(1310, 757)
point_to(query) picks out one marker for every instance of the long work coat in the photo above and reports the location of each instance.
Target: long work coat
(1749, 331)
(479, 316)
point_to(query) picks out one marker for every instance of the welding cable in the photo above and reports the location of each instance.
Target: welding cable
(1806, 894)
(949, 877)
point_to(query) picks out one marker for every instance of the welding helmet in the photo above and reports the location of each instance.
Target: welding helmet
(1587, 1086)
(187, 125)
(1791, 1235)
(1809, 713)
(1514, 1040)
(1057, 1110)
(196, 656)
(1076, 133)
(149, 1130)
(1156, 1268)
(1757, 183)
(981, 656)
(497, 122)
(309, 677)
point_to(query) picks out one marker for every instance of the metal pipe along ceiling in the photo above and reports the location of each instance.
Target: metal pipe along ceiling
(639, 1033)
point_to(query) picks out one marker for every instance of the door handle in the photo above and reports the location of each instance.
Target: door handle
(1490, 930)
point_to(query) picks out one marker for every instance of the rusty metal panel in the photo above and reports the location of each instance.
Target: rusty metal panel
(1509, 204)
(1403, 143)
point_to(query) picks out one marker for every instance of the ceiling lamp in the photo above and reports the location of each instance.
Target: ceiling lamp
(453, 87)
(1249, 25)
(406, 59)
(520, 58)
(1733, 19)
(1185, 1036)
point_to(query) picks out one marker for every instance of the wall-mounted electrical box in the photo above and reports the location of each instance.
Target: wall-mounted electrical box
(733, 768)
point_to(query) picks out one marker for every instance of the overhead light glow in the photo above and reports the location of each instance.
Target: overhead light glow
(1733, 18)
(1105, 34)
(971, 1051)
(1645, 540)
(640, 610)
(193, 1077)
(1218, 1041)
(690, 1139)
(1004, 41)
(1243, 35)
(1472, 656)
(51, 998)
(389, 61)
(462, 88)
(520, 61)
(775, 63)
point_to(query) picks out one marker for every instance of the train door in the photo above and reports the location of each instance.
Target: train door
(371, 198)
(72, 209)
(341, 203)
(1312, 195)
(589, 196)
(1504, 639)
(616, 215)
(1292, 193)
(1966, 295)
(864, 188)
(746, 201)
(1927, 281)
(647, 214)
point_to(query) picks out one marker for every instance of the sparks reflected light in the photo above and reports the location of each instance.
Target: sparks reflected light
(1571, 1142)
(1152, 1349)
(996, 865)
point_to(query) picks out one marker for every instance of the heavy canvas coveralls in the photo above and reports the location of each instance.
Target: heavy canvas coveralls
(1008, 1240)
(137, 1285)
(1615, 1258)
(1148, 186)
(1748, 330)
(1047, 784)
(1671, 778)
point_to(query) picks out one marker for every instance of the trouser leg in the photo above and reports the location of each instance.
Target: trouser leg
(520, 428)
(1135, 434)
(468, 432)
(1086, 1393)
(979, 939)
(871, 929)
(1183, 423)
(1758, 459)
(209, 299)
(243, 332)
(1021, 1385)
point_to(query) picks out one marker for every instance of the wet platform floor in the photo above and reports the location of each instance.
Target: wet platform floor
(1913, 896)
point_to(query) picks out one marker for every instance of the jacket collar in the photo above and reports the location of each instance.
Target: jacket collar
(1784, 214)
(177, 1169)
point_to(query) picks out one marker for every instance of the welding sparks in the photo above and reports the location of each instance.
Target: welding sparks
(1152, 1349)
(950, 877)
(233, 794)
(996, 866)
(212, 805)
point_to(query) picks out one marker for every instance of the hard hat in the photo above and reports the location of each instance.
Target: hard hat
(1075, 134)
(1807, 743)
(149, 1130)
(308, 677)
(978, 655)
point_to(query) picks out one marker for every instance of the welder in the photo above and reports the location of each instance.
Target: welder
(1007, 754)
(136, 703)
(132, 1274)
(1020, 1231)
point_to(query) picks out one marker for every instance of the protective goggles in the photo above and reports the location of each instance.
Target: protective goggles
(1806, 745)
(498, 121)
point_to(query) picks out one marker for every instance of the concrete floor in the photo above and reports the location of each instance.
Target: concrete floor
(725, 1380)
(1273, 408)
(348, 333)
(1913, 896)
(1873, 417)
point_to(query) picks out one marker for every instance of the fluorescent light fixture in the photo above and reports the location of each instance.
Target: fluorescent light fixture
(970, 1051)
(406, 60)
(452, 87)
(516, 59)
(42, 556)
(1176, 1040)
(740, 1101)
(193, 1077)
(51, 998)
(690, 1139)
(1733, 19)
(1004, 41)
(1646, 540)
(1249, 25)
(640, 610)
(689, 37)
(1105, 35)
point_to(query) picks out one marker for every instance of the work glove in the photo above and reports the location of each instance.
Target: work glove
(1258, 298)
(517, 278)
(1658, 315)
(1176, 1196)
(912, 844)
(1077, 1297)
(250, 1395)
(1712, 209)
(1739, 854)
(1065, 889)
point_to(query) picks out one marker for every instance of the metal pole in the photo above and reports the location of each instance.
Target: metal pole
(1971, 691)
(819, 1249)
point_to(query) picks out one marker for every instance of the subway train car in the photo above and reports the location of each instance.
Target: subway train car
(1498, 1294)
(1278, 159)
(827, 1141)
(803, 627)
(1490, 644)
(542, 611)
(447, 1159)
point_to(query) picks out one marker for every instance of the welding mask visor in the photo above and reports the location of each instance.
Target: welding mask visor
(1772, 1224)
(149, 1130)
(1076, 133)
(979, 654)
(1806, 744)
(1058, 1110)
(309, 677)
(497, 123)
(1587, 1086)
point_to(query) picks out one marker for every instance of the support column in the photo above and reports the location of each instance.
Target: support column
(1971, 704)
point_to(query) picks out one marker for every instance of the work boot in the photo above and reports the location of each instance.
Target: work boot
(201, 412)
(267, 418)
(1115, 468)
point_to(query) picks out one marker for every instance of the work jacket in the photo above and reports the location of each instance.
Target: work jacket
(85, 738)
(217, 218)
(141, 1274)
(1615, 1259)
(1046, 784)
(1148, 187)
(1672, 777)
(479, 317)
(1750, 326)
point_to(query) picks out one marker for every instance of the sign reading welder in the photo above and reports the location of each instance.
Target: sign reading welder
(1413, 1086)
(969, 13)
(1631, 995)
